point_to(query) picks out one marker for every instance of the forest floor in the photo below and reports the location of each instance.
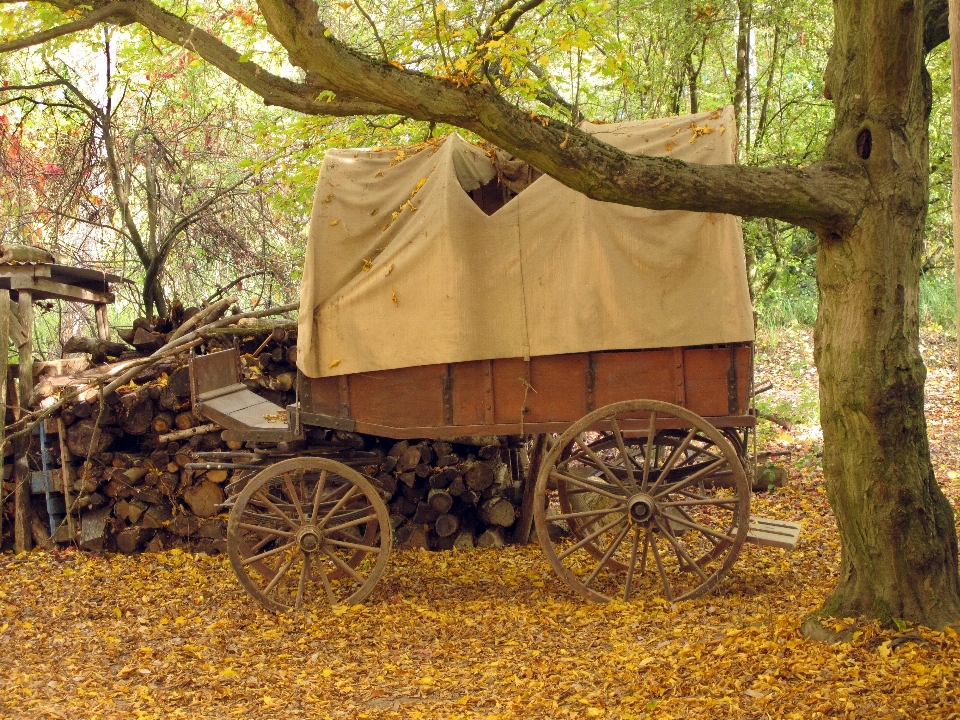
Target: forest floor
(488, 634)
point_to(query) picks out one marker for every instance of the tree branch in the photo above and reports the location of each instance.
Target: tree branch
(115, 11)
(825, 198)
(936, 23)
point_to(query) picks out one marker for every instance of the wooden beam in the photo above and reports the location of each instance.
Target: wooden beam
(68, 475)
(4, 360)
(43, 289)
(22, 535)
(955, 133)
(9, 271)
(103, 324)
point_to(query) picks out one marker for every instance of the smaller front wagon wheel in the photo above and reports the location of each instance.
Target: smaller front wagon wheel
(308, 532)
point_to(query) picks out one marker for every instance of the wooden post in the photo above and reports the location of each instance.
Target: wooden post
(68, 476)
(955, 134)
(103, 326)
(23, 537)
(4, 362)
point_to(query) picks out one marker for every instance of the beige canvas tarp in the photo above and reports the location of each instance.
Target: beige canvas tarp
(404, 269)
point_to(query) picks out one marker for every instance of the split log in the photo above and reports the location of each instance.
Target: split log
(156, 516)
(498, 511)
(464, 541)
(184, 525)
(94, 346)
(179, 382)
(83, 438)
(446, 525)
(479, 476)
(132, 539)
(146, 341)
(204, 498)
(412, 536)
(491, 538)
(440, 500)
(163, 422)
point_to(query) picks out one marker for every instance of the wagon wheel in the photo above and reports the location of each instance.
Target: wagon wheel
(700, 450)
(649, 510)
(308, 530)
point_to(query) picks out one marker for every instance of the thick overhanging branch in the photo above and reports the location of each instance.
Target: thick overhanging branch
(274, 90)
(821, 197)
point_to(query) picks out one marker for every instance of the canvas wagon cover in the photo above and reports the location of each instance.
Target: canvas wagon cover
(404, 269)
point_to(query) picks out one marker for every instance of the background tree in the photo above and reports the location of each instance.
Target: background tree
(865, 199)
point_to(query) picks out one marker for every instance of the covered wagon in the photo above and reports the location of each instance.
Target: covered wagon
(451, 291)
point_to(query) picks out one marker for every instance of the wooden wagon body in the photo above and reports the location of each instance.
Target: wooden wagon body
(542, 395)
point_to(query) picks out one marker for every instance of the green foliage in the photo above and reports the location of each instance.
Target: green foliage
(566, 60)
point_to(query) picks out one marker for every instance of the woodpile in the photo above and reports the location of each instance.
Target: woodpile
(126, 466)
(120, 464)
(444, 494)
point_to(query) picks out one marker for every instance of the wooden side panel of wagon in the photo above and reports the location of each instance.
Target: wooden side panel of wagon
(544, 394)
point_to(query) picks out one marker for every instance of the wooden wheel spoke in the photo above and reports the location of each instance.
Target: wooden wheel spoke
(700, 528)
(648, 451)
(338, 561)
(277, 511)
(720, 503)
(597, 488)
(607, 555)
(268, 553)
(327, 587)
(316, 495)
(678, 546)
(602, 466)
(586, 513)
(631, 566)
(667, 589)
(696, 477)
(279, 576)
(340, 503)
(303, 581)
(294, 497)
(352, 545)
(589, 538)
(674, 456)
(352, 523)
(615, 426)
(643, 553)
(271, 532)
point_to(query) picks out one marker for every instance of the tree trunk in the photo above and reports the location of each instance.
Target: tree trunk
(899, 557)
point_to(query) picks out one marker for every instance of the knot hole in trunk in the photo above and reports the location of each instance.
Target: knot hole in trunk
(864, 144)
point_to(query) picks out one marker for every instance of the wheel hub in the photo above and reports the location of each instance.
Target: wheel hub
(641, 508)
(309, 539)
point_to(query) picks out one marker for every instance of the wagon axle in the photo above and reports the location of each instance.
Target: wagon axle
(641, 508)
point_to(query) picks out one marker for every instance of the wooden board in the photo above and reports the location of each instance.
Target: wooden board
(543, 394)
(766, 532)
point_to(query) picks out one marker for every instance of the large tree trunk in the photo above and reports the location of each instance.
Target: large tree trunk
(899, 557)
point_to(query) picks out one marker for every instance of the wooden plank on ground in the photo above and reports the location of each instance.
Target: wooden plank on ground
(766, 532)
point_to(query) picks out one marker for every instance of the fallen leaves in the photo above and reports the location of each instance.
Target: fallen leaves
(480, 634)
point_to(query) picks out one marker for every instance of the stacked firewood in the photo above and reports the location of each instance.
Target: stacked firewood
(120, 464)
(444, 494)
(126, 465)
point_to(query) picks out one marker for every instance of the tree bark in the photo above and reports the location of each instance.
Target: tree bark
(899, 544)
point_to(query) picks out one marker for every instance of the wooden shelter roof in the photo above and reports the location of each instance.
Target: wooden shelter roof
(48, 281)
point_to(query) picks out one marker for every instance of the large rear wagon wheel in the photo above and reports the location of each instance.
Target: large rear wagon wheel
(651, 511)
(308, 531)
